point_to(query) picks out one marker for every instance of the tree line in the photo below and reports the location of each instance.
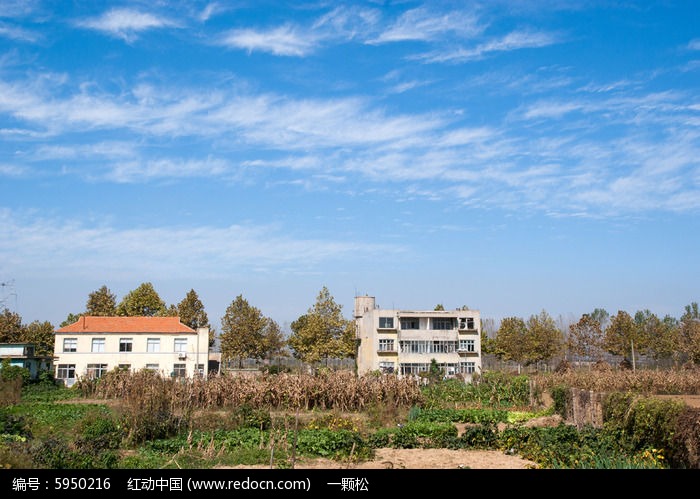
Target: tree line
(539, 338)
(322, 332)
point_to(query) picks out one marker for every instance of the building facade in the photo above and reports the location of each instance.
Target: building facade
(405, 341)
(24, 355)
(93, 345)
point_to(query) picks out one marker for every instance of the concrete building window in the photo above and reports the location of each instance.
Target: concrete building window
(414, 368)
(428, 347)
(125, 367)
(467, 346)
(65, 371)
(386, 323)
(153, 345)
(96, 370)
(386, 367)
(152, 367)
(179, 370)
(386, 345)
(443, 323)
(410, 323)
(200, 369)
(126, 344)
(180, 344)
(467, 367)
(70, 344)
(98, 345)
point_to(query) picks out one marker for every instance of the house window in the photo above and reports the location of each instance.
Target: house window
(200, 369)
(152, 367)
(124, 367)
(466, 345)
(386, 345)
(70, 344)
(153, 345)
(98, 345)
(443, 323)
(386, 323)
(96, 370)
(470, 322)
(179, 370)
(180, 344)
(126, 344)
(65, 371)
(411, 323)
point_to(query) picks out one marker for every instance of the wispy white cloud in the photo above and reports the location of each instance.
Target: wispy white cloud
(284, 40)
(7, 170)
(211, 10)
(694, 44)
(75, 249)
(422, 24)
(19, 34)
(126, 23)
(144, 170)
(516, 40)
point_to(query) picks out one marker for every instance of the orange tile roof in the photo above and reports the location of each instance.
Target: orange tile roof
(94, 324)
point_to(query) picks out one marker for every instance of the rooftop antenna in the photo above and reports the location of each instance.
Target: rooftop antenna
(7, 291)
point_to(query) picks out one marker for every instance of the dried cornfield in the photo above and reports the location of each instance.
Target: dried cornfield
(337, 390)
(645, 382)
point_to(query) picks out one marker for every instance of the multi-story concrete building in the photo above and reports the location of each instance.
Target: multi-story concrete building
(406, 341)
(91, 346)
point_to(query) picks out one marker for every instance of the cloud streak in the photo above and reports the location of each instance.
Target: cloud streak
(126, 23)
(73, 249)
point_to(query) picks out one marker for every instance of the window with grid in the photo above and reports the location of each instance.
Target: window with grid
(466, 345)
(65, 371)
(126, 344)
(180, 344)
(179, 370)
(386, 345)
(98, 345)
(96, 370)
(386, 322)
(70, 344)
(153, 345)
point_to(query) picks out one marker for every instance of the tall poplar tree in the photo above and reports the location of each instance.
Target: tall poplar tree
(142, 301)
(101, 303)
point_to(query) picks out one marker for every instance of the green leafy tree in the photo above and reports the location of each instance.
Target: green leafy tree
(191, 312)
(11, 329)
(544, 339)
(511, 340)
(323, 332)
(142, 301)
(586, 338)
(439, 306)
(242, 331)
(42, 335)
(690, 332)
(623, 335)
(665, 339)
(274, 341)
(101, 303)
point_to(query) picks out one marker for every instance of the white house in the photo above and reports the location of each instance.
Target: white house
(406, 341)
(92, 345)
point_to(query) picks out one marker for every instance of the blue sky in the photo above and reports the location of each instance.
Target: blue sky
(511, 156)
